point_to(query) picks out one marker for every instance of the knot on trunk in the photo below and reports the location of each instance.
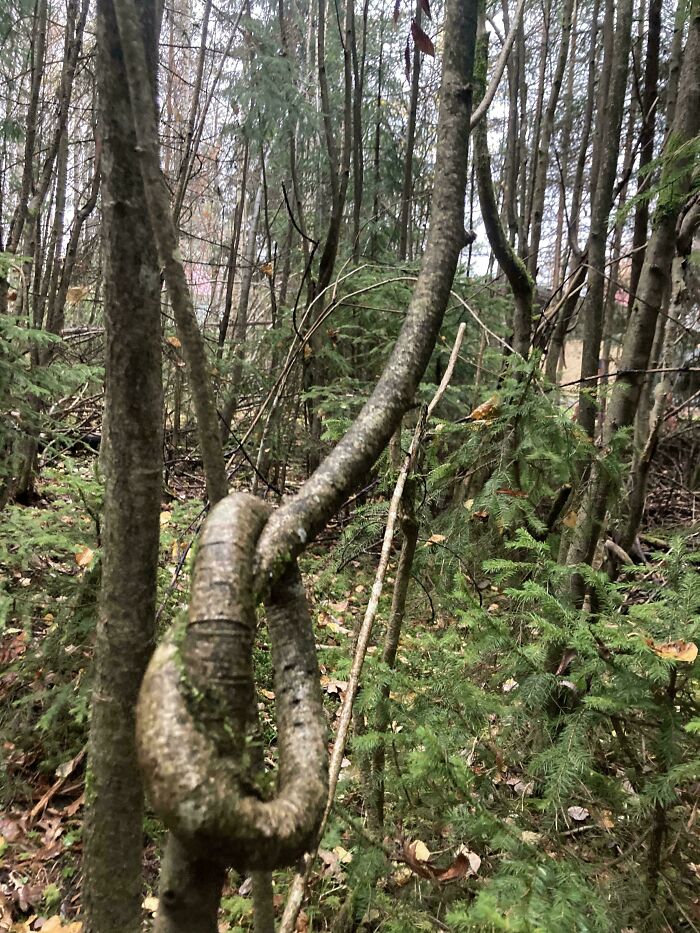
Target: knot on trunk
(197, 723)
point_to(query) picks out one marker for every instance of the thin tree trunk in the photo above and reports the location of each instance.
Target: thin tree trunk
(513, 267)
(407, 188)
(545, 138)
(653, 282)
(158, 202)
(233, 253)
(608, 136)
(289, 529)
(646, 140)
(409, 530)
(131, 455)
(240, 330)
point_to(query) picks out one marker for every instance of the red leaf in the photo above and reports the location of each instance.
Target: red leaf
(407, 59)
(425, 6)
(397, 10)
(423, 42)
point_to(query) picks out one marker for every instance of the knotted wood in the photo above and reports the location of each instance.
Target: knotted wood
(198, 738)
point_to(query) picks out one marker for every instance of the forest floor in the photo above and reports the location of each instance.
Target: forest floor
(45, 651)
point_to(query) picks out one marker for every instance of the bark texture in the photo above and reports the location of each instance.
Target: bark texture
(131, 455)
(653, 283)
(157, 196)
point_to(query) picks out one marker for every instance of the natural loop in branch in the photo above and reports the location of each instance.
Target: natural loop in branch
(197, 717)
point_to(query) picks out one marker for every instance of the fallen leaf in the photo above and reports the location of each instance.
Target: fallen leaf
(55, 923)
(84, 557)
(421, 851)
(578, 813)
(462, 867)
(436, 539)
(150, 904)
(343, 856)
(530, 838)
(165, 518)
(605, 819)
(10, 829)
(487, 411)
(686, 651)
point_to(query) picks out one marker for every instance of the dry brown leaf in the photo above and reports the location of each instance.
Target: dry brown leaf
(686, 651)
(174, 341)
(487, 411)
(420, 851)
(436, 539)
(423, 42)
(84, 557)
(55, 923)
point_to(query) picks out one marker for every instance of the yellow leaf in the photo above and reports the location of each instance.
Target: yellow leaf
(343, 856)
(55, 923)
(84, 558)
(421, 851)
(174, 342)
(436, 539)
(165, 518)
(570, 519)
(686, 651)
(487, 411)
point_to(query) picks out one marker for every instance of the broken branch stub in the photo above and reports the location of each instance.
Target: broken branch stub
(198, 739)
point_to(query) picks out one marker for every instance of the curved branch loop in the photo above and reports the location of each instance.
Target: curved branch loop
(197, 722)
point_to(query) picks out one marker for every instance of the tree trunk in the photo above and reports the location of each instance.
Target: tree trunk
(608, 147)
(653, 282)
(407, 189)
(131, 455)
(646, 141)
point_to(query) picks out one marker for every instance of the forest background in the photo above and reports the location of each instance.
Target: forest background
(409, 295)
